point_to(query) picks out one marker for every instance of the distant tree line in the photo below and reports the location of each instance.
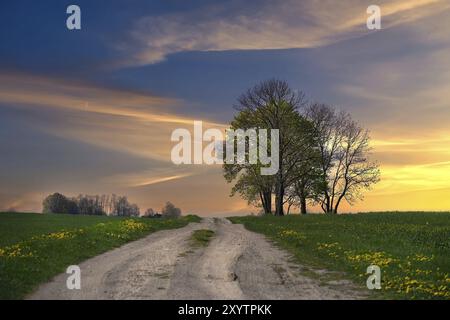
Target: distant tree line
(168, 211)
(323, 152)
(103, 205)
(90, 205)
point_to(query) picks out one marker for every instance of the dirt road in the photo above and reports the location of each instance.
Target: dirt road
(236, 264)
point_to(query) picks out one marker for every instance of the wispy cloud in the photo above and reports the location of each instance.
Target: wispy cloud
(151, 177)
(134, 124)
(126, 121)
(265, 25)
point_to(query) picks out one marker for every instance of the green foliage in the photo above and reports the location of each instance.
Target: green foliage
(58, 203)
(323, 153)
(273, 105)
(412, 249)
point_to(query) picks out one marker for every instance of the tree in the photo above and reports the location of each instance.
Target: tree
(323, 154)
(121, 207)
(251, 185)
(170, 211)
(305, 187)
(343, 147)
(270, 105)
(58, 203)
(149, 212)
(91, 205)
(302, 164)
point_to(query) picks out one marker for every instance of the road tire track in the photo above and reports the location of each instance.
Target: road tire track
(236, 264)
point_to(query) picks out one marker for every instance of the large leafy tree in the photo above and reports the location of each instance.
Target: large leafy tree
(250, 184)
(270, 105)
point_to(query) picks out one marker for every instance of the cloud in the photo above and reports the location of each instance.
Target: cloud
(151, 177)
(265, 25)
(402, 98)
(36, 90)
(125, 121)
(204, 193)
(400, 94)
(130, 125)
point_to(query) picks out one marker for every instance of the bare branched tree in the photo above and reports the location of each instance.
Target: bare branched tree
(344, 157)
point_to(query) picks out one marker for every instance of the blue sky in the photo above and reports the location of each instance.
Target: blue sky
(91, 110)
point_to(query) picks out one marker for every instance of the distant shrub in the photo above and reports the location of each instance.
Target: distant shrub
(58, 203)
(150, 213)
(170, 211)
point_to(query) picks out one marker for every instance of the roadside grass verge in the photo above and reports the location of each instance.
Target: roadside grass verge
(201, 238)
(412, 249)
(36, 247)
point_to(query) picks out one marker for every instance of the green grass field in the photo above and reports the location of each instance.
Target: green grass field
(36, 247)
(412, 249)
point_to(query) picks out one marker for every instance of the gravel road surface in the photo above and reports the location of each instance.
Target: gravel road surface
(236, 264)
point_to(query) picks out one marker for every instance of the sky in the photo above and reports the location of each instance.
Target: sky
(91, 111)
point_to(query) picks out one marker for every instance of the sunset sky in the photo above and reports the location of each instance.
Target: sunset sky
(92, 110)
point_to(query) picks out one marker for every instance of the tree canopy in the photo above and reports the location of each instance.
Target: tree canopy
(323, 152)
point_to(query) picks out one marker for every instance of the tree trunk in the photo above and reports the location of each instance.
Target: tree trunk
(335, 211)
(279, 200)
(266, 200)
(263, 202)
(279, 196)
(268, 197)
(302, 205)
(302, 196)
(328, 207)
